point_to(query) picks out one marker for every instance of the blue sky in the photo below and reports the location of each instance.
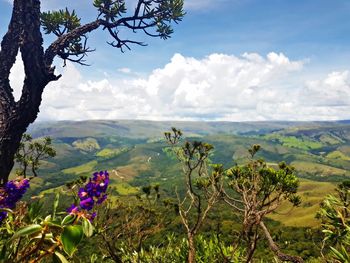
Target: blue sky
(269, 59)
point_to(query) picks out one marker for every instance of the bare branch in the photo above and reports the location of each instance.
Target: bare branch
(281, 256)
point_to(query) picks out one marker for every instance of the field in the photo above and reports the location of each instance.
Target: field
(311, 193)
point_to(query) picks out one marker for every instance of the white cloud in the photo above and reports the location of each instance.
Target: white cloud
(334, 90)
(17, 77)
(217, 87)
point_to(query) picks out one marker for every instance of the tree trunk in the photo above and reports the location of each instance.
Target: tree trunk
(24, 34)
(275, 249)
(9, 143)
(191, 249)
(252, 239)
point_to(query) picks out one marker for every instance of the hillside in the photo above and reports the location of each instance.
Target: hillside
(135, 154)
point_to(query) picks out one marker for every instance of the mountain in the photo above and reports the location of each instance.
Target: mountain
(150, 129)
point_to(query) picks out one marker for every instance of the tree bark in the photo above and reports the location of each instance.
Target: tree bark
(275, 249)
(251, 249)
(191, 249)
(9, 49)
(24, 34)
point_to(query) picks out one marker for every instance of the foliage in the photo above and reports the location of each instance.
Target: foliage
(123, 227)
(27, 235)
(31, 152)
(153, 17)
(335, 217)
(175, 250)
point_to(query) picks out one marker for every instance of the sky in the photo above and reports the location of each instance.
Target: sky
(228, 60)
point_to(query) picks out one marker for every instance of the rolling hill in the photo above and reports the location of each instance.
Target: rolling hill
(135, 154)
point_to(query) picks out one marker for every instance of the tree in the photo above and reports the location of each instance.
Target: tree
(258, 190)
(30, 153)
(153, 17)
(201, 192)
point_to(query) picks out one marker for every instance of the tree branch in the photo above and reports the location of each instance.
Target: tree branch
(275, 249)
(8, 53)
(62, 42)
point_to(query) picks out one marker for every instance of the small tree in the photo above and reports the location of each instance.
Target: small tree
(258, 190)
(153, 17)
(31, 152)
(201, 191)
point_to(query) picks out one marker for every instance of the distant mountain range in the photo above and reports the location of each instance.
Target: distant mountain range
(149, 129)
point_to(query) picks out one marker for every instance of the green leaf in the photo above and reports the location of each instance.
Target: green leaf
(54, 225)
(68, 220)
(28, 230)
(338, 255)
(6, 210)
(55, 205)
(48, 236)
(88, 228)
(71, 237)
(59, 258)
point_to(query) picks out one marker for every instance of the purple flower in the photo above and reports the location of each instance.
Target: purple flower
(101, 199)
(11, 193)
(83, 194)
(73, 209)
(92, 216)
(94, 192)
(87, 204)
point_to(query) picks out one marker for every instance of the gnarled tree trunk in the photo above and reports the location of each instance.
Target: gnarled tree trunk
(24, 35)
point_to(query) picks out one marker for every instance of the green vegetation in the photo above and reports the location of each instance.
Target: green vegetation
(294, 142)
(137, 161)
(319, 169)
(311, 193)
(81, 169)
(125, 189)
(88, 145)
(338, 155)
(335, 217)
(110, 153)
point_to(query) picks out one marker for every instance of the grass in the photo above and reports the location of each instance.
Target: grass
(80, 169)
(318, 169)
(338, 155)
(330, 139)
(88, 145)
(125, 189)
(312, 194)
(294, 142)
(110, 153)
